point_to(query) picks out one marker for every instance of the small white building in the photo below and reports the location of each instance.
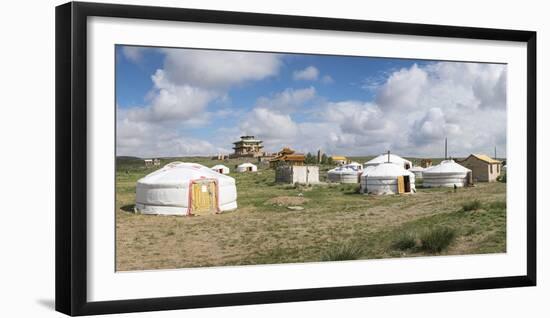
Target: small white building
(181, 188)
(151, 162)
(297, 174)
(220, 169)
(387, 178)
(247, 167)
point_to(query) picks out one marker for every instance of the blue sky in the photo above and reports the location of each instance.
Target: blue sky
(178, 102)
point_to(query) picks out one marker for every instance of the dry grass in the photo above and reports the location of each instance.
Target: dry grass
(263, 231)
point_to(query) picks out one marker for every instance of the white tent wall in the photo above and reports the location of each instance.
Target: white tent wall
(443, 180)
(347, 176)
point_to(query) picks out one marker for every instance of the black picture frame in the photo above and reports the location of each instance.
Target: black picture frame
(71, 157)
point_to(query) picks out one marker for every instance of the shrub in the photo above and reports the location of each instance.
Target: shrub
(471, 206)
(437, 239)
(502, 178)
(405, 241)
(343, 252)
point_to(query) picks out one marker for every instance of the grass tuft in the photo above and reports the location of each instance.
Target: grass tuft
(437, 239)
(471, 205)
(497, 205)
(405, 241)
(344, 252)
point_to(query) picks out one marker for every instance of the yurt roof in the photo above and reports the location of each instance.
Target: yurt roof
(367, 170)
(247, 164)
(383, 158)
(354, 166)
(176, 173)
(386, 169)
(417, 168)
(446, 166)
(343, 170)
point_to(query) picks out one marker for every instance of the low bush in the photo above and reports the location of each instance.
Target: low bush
(437, 239)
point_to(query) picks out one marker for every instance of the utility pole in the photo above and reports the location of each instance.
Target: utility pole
(445, 148)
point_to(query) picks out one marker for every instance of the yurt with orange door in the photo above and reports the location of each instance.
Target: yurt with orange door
(387, 178)
(181, 188)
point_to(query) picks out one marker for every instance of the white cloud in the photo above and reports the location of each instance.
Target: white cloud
(310, 73)
(414, 109)
(270, 125)
(189, 82)
(402, 89)
(218, 69)
(133, 53)
(152, 139)
(327, 79)
(288, 100)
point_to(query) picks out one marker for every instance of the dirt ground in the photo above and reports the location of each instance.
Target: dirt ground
(264, 231)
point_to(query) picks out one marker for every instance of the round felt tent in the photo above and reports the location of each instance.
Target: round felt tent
(220, 169)
(395, 159)
(247, 167)
(446, 174)
(387, 178)
(185, 189)
(355, 165)
(417, 170)
(344, 174)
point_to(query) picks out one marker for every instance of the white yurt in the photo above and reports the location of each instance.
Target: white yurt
(395, 159)
(446, 174)
(247, 167)
(387, 178)
(220, 169)
(185, 189)
(417, 170)
(355, 165)
(344, 174)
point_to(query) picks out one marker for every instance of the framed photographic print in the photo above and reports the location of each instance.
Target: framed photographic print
(210, 158)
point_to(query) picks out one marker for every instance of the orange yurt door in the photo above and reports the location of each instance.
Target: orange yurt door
(400, 184)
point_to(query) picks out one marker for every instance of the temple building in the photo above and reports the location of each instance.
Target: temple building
(289, 157)
(248, 146)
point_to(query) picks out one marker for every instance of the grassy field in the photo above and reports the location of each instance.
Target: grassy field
(337, 223)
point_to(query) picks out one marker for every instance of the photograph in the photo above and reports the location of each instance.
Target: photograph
(234, 158)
